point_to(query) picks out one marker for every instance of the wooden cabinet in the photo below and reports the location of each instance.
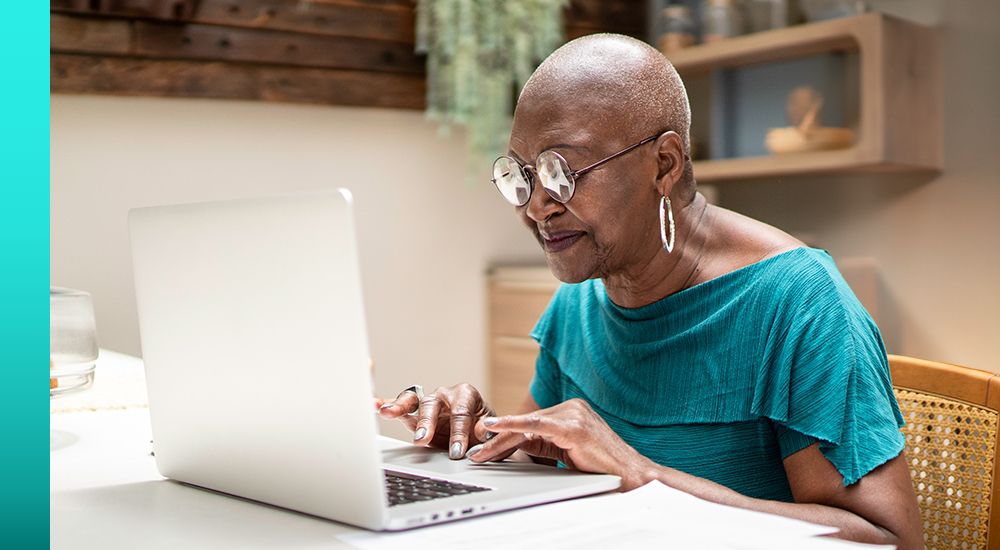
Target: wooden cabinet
(517, 298)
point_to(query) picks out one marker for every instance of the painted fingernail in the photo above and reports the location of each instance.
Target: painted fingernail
(474, 450)
(490, 435)
(489, 421)
(456, 450)
(384, 406)
(419, 434)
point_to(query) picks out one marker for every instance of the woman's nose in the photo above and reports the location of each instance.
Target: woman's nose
(541, 206)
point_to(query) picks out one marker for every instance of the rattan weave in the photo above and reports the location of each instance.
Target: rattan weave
(950, 452)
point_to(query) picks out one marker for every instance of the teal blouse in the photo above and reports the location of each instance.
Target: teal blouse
(725, 379)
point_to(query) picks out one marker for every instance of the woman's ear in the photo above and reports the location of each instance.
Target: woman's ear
(670, 158)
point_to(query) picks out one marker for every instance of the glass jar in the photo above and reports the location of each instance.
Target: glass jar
(721, 19)
(676, 28)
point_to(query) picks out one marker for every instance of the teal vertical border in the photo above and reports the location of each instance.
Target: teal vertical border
(24, 245)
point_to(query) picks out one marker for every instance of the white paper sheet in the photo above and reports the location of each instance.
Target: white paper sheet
(651, 515)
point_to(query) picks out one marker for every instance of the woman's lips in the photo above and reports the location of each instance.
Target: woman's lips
(560, 240)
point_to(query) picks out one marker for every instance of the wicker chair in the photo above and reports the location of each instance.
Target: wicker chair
(951, 417)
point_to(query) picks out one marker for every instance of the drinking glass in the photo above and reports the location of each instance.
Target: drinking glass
(72, 341)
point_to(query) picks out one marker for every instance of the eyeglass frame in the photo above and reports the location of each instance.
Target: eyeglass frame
(574, 174)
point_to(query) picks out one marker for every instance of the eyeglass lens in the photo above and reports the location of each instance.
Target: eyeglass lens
(553, 173)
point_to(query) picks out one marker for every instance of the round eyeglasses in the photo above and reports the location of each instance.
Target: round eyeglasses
(515, 182)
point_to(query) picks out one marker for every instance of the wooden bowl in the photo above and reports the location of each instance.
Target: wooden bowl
(793, 140)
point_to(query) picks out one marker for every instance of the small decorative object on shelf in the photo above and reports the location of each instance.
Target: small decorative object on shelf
(676, 28)
(721, 19)
(765, 15)
(820, 10)
(806, 133)
(72, 341)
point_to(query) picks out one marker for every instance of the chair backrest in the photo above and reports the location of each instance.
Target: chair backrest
(952, 414)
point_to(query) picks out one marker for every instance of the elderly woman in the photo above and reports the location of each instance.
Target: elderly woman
(689, 344)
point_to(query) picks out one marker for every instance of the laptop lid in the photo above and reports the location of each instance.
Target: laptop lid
(256, 353)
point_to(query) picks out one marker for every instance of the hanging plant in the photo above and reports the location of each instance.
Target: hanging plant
(479, 54)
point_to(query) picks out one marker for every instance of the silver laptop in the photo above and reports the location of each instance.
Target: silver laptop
(256, 354)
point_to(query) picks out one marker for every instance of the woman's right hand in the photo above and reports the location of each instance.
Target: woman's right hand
(444, 419)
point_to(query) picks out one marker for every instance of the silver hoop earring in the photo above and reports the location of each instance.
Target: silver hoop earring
(667, 245)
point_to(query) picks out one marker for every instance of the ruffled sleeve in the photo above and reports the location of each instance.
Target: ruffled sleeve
(825, 378)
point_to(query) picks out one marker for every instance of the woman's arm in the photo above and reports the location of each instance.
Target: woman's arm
(880, 508)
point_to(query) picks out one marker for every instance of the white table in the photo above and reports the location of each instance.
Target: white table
(106, 492)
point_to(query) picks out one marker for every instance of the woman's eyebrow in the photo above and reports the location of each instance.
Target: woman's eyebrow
(566, 146)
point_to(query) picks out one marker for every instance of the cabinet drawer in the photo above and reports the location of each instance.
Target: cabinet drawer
(512, 367)
(515, 309)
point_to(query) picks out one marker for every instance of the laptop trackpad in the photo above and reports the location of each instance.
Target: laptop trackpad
(422, 458)
(408, 456)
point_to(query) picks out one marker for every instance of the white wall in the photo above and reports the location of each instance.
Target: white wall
(426, 234)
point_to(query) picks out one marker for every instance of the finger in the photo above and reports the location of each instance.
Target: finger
(500, 457)
(462, 422)
(480, 432)
(534, 446)
(531, 423)
(497, 448)
(427, 419)
(405, 403)
(543, 448)
(407, 420)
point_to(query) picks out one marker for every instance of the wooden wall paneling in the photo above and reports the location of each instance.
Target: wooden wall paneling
(583, 17)
(346, 52)
(215, 43)
(164, 9)
(211, 79)
(90, 34)
(388, 20)
(382, 21)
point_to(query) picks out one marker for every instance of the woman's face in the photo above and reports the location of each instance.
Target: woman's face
(611, 222)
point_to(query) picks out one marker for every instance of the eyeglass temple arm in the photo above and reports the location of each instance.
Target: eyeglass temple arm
(586, 169)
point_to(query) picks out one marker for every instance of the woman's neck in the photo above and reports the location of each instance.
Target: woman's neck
(658, 274)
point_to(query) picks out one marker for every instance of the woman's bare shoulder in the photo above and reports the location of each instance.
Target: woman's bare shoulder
(736, 241)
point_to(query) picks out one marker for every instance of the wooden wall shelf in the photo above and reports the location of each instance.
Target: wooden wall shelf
(900, 97)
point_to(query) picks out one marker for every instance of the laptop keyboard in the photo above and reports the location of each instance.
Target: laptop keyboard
(405, 488)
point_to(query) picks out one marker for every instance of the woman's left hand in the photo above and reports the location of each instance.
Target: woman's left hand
(570, 432)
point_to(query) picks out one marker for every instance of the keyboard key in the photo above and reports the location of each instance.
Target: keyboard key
(406, 488)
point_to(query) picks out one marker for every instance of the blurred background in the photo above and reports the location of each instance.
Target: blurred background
(868, 129)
